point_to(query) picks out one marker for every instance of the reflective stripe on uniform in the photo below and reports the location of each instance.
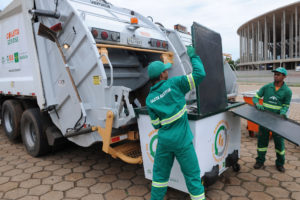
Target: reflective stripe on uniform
(280, 152)
(190, 78)
(155, 122)
(285, 105)
(262, 149)
(197, 197)
(159, 184)
(174, 117)
(256, 95)
(272, 106)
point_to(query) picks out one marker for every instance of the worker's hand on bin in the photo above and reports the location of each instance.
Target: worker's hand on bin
(283, 114)
(260, 107)
(191, 51)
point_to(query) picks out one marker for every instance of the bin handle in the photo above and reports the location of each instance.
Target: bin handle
(111, 70)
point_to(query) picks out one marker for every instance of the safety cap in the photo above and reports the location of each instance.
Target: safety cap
(156, 68)
(280, 70)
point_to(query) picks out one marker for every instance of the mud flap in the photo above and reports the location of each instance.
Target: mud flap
(287, 128)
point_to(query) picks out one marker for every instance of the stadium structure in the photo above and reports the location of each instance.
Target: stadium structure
(271, 40)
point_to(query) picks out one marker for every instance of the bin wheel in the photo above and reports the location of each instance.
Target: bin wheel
(236, 167)
(251, 133)
(33, 133)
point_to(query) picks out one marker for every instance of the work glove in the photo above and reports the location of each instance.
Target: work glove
(283, 114)
(260, 107)
(191, 51)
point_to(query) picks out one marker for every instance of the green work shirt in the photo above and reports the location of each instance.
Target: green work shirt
(167, 106)
(275, 101)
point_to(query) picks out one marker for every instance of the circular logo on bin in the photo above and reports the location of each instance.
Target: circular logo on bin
(151, 146)
(220, 143)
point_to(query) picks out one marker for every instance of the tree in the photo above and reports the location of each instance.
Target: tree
(236, 63)
(231, 63)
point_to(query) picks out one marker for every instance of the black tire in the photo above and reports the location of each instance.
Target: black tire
(236, 167)
(33, 133)
(11, 115)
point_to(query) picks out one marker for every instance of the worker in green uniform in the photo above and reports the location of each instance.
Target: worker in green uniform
(167, 109)
(276, 98)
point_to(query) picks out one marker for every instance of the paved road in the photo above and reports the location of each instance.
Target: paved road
(263, 76)
(89, 174)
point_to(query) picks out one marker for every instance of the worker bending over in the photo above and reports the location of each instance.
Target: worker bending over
(276, 98)
(167, 109)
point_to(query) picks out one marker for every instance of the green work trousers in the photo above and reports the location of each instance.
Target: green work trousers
(163, 162)
(262, 146)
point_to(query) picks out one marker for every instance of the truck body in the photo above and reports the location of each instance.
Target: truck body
(94, 64)
(77, 69)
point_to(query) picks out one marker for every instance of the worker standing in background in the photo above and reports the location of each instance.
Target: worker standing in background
(167, 109)
(276, 98)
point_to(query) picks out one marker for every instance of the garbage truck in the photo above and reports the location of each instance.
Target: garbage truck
(77, 70)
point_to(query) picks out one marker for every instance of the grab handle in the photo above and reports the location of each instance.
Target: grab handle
(111, 70)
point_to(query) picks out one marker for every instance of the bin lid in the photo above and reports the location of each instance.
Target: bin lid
(287, 128)
(211, 92)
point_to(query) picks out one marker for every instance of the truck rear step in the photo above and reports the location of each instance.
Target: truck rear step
(128, 152)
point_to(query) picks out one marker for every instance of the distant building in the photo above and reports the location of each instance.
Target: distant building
(271, 40)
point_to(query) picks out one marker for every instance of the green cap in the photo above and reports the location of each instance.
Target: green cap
(280, 70)
(156, 68)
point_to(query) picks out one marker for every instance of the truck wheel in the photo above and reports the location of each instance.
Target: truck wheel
(11, 115)
(33, 132)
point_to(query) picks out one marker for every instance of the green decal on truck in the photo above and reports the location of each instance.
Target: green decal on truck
(16, 55)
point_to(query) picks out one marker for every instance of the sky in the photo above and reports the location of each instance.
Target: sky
(3, 3)
(222, 16)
